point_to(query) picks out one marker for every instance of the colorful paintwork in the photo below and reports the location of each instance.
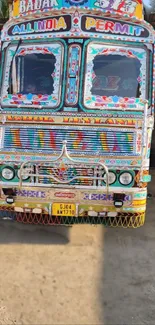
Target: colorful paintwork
(72, 88)
(52, 25)
(90, 125)
(89, 102)
(87, 23)
(134, 8)
(80, 141)
(100, 25)
(74, 120)
(31, 194)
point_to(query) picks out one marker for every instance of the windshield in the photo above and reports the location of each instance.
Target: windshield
(114, 74)
(33, 75)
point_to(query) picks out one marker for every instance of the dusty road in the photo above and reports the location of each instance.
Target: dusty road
(80, 275)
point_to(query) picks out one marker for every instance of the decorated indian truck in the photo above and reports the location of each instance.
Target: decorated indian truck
(2, 22)
(76, 119)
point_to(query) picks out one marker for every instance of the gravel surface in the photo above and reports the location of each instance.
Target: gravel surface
(5, 317)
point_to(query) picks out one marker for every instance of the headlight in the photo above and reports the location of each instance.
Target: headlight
(24, 177)
(8, 173)
(125, 178)
(112, 178)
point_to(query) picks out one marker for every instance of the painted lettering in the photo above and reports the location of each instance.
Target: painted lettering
(122, 29)
(102, 197)
(41, 25)
(30, 118)
(61, 24)
(37, 5)
(100, 24)
(46, 4)
(54, 24)
(36, 194)
(30, 5)
(108, 26)
(16, 30)
(90, 23)
(138, 31)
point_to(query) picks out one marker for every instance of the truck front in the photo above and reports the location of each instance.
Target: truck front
(76, 114)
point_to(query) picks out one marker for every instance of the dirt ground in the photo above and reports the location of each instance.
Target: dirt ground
(80, 275)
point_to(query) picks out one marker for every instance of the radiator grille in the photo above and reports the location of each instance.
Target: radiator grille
(81, 141)
(66, 174)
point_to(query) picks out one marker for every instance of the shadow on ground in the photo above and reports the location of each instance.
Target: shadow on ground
(11, 232)
(127, 275)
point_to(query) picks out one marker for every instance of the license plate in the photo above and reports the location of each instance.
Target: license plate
(64, 209)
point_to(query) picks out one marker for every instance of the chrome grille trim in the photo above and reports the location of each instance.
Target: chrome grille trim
(58, 164)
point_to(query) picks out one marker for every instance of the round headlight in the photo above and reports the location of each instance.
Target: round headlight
(8, 173)
(125, 178)
(24, 177)
(112, 178)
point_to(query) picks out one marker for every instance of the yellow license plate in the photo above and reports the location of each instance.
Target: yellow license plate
(64, 209)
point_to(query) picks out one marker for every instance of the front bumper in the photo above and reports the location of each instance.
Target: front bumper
(89, 206)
